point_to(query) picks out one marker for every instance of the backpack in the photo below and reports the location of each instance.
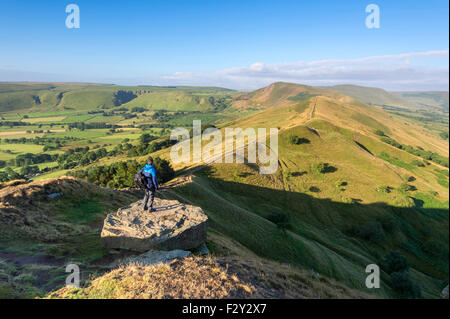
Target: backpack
(140, 180)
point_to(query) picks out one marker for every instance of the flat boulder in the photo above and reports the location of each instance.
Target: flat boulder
(172, 226)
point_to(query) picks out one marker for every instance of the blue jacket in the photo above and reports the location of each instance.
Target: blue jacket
(150, 173)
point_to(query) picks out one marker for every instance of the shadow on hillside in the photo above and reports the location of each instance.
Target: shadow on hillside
(364, 148)
(378, 227)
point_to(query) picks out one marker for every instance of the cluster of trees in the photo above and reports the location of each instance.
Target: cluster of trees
(84, 156)
(14, 123)
(418, 163)
(120, 111)
(122, 97)
(88, 126)
(25, 172)
(80, 156)
(146, 147)
(324, 168)
(296, 140)
(121, 174)
(221, 103)
(164, 116)
(371, 231)
(54, 141)
(444, 135)
(9, 174)
(156, 125)
(280, 219)
(138, 109)
(28, 159)
(427, 155)
(397, 266)
(140, 92)
(394, 263)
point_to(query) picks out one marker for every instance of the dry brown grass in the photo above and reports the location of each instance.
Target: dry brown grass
(191, 278)
(283, 281)
(236, 273)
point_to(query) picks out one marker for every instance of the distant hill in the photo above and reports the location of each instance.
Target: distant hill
(86, 96)
(282, 93)
(369, 94)
(377, 96)
(340, 109)
(426, 99)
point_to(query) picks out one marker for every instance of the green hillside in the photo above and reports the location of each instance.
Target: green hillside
(84, 96)
(426, 99)
(355, 182)
(177, 101)
(337, 221)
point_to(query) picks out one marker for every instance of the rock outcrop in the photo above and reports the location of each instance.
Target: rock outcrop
(153, 257)
(34, 210)
(172, 226)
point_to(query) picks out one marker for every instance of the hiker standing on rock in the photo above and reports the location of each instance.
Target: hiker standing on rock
(151, 185)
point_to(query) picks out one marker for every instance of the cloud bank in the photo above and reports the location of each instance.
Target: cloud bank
(402, 72)
(409, 71)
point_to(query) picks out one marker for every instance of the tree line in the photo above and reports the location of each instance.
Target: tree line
(426, 155)
(121, 174)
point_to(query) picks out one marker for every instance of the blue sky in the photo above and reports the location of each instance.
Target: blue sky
(239, 44)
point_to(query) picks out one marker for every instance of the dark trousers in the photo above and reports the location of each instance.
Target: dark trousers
(148, 198)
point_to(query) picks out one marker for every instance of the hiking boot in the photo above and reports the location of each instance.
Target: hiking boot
(151, 209)
(144, 207)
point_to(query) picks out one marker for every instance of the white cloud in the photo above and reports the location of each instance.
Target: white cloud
(408, 71)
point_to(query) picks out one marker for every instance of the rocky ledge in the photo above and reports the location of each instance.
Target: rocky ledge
(173, 225)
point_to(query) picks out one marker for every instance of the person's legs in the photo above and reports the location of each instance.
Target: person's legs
(151, 198)
(145, 200)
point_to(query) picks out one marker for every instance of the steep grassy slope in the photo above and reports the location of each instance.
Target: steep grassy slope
(173, 101)
(332, 219)
(324, 217)
(368, 119)
(40, 235)
(39, 96)
(87, 99)
(341, 110)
